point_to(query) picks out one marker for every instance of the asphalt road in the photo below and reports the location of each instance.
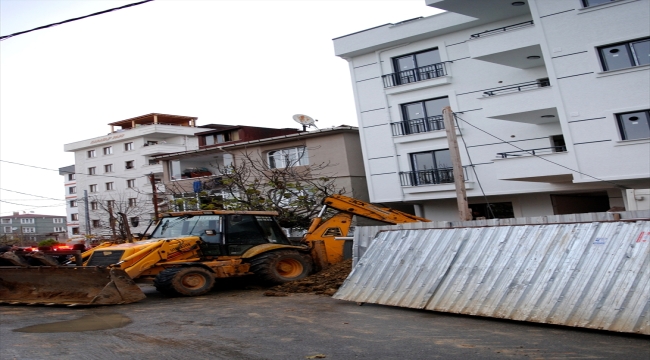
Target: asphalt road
(241, 323)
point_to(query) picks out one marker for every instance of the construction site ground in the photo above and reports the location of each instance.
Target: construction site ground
(239, 320)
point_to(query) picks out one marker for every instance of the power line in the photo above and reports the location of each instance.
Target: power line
(43, 197)
(533, 154)
(76, 173)
(4, 37)
(32, 206)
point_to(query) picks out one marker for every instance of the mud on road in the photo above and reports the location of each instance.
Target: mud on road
(237, 321)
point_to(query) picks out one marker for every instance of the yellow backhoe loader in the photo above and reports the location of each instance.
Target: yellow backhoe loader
(185, 254)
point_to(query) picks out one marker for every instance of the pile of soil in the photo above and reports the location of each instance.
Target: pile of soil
(325, 282)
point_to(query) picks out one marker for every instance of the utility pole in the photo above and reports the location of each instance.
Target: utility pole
(87, 212)
(154, 191)
(459, 176)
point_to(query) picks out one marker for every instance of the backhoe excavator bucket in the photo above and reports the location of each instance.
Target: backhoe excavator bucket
(67, 286)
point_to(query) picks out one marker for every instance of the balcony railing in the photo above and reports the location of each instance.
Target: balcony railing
(521, 87)
(429, 177)
(540, 151)
(415, 75)
(501, 29)
(416, 126)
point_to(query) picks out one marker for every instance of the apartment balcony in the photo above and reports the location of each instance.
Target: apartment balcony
(416, 126)
(516, 45)
(153, 168)
(549, 165)
(530, 103)
(417, 78)
(161, 149)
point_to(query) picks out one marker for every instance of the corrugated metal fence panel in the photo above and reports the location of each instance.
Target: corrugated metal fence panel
(364, 235)
(592, 275)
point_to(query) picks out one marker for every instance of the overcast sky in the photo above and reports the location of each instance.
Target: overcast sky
(226, 62)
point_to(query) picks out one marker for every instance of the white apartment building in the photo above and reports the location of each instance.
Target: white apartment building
(72, 212)
(115, 171)
(552, 99)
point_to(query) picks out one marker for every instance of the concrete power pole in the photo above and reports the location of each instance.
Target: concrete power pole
(459, 176)
(154, 193)
(87, 213)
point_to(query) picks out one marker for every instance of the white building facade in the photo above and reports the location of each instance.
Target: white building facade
(552, 101)
(114, 171)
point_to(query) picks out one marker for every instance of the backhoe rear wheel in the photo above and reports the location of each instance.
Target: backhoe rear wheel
(186, 281)
(278, 267)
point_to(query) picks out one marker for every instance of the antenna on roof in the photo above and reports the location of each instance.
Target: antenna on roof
(305, 121)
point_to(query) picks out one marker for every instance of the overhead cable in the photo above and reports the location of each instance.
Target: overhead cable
(4, 37)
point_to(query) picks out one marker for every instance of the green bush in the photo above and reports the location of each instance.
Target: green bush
(48, 242)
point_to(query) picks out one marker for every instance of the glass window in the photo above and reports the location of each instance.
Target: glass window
(73, 203)
(130, 183)
(288, 157)
(94, 205)
(72, 190)
(108, 168)
(108, 150)
(71, 177)
(422, 116)
(109, 186)
(58, 229)
(110, 203)
(634, 125)
(91, 170)
(625, 55)
(7, 229)
(418, 66)
(91, 153)
(128, 146)
(27, 221)
(6, 221)
(129, 164)
(29, 230)
(432, 167)
(75, 231)
(209, 139)
(57, 220)
(92, 188)
(175, 170)
(132, 202)
(96, 223)
(74, 217)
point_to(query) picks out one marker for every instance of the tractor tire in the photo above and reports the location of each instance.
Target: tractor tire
(186, 281)
(279, 267)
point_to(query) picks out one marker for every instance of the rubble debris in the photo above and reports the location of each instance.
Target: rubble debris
(325, 282)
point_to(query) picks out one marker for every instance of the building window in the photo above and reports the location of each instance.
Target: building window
(132, 202)
(58, 229)
(57, 220)
(94, 205)
(109, 186)
(29, 230)
(74, 217)
(625, 55)
(288, 157)
(91, 153)
(7, 229)
(421, 116)
(634, 125)
(96, 223)
(73, 203)
(130, 183)
(129, 164)
(108, 150)
(72, 190)
(154, 162)
(27, 221)
(91, 170)
(71, 177)
(501, 210)
(110, 204)
(6, 221)
(588, 3)
(75, 231)
(128, 146)
(108, 168)
(92, 188)
(150, 143)
(417, 67)
(429, 167)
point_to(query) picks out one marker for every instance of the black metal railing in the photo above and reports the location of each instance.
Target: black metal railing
(415, 75)
(521, 87)
(416, 126)
(540, 151)
(429, 177)
(502, 29)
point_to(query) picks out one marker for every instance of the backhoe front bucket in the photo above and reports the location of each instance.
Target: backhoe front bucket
(67, 286)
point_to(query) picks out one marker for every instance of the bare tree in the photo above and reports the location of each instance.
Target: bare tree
(105, 210)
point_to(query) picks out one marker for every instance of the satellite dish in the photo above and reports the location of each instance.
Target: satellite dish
(305, 121)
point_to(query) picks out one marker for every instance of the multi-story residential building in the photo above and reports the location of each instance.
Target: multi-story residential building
(552, 104)
(337, 148)
(29, 228)
(72, 210)
(114, 172)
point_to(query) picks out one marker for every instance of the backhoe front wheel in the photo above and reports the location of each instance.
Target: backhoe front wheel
(278, 267)
(187, 281)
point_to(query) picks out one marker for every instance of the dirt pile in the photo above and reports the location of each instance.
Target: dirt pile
(325, 282)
